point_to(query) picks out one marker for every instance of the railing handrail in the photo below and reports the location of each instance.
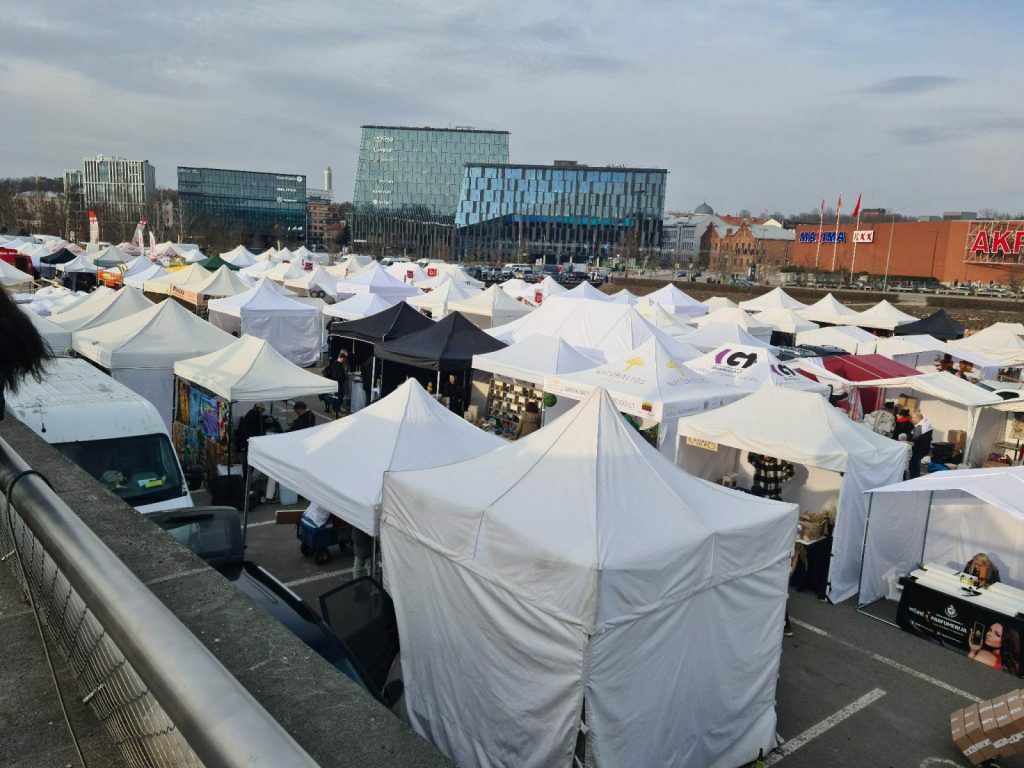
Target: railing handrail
(221, 721)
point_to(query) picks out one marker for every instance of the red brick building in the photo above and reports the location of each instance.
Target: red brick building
(964, 251)
(747, 250)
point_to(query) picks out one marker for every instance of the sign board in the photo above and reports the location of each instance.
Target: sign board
(707, 445)
(826, 237)
(864, 236)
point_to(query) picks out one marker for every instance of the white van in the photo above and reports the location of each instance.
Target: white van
(114, 434)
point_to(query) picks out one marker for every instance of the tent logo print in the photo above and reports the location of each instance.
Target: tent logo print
(736, 359)
(782, 370)
(951, 611)
(632, 362)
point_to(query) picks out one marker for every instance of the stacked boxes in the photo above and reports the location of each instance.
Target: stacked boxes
(991, 729)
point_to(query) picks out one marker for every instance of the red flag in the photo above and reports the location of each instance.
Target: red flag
(839, 205)
(856, 208)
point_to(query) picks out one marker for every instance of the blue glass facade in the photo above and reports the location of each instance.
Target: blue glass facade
(558, 209)
(250, 207)
(407, 183)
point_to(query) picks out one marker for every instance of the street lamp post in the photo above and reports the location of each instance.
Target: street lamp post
(888, 254)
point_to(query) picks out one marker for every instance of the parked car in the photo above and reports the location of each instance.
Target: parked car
(737, 281)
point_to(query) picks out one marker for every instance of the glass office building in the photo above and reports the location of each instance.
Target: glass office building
(249, 207)
(407, 184)
(562, 210)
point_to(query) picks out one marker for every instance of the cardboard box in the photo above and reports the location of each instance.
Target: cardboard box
(981, 748)
(1004, 722)
(990, 725)
(957, 437)
(1015, 708)
(908, 402)
(959, 733)
(288, 517)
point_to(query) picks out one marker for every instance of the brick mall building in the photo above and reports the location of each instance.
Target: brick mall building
(963, 251)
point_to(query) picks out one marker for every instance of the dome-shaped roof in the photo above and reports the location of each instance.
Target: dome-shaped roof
(704, 208)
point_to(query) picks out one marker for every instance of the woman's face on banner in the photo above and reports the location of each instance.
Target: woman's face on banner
(994, 636)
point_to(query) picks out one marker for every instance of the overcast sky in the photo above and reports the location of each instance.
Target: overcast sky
(748, 103)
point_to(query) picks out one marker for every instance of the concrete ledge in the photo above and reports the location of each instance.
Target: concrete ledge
(332, 718)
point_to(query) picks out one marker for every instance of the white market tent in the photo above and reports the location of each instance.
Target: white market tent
(78, 265)
(303, 253)
(351, 265)
(293, 328)
(519, 605)
(360, 305)
(224, 282)
(313, 281)
(586, 291)
(340, 466)
(599, 329)
(950, 402)
(437, 301)
(785, 321)
(112, 255)
(883, 316)
(714, 335)
(944, 518)
(406, 271)
(624, 297)
(535, 293)
(106, 308)
(776, 298)
(250, 370)
(533, 358)
(459, 275)
(1001, 342)
(739, 318)
(140, 350)
(285, 254)
(676, 326)
(376, 280)
(186, 278)
(751, 368)
(286, 270)
(719, 302)
(267, 255)
(239, 256)
(57, 338)
(648, 383)
(146, 272)
(490, 308)
(675, 302)
(854, 340)
(258, 269)
(516, 286)
(921, 351)
(12, 278)
(801, 427)
(828, 310)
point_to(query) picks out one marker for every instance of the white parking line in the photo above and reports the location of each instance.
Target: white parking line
(827, 724)
(318, 577)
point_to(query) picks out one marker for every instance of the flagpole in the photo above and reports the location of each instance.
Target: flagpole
(853, 259)
(835, 241)
(821, 228)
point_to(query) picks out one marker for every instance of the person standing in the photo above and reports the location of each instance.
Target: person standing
(769, 475)
(452, 389)
(922, 442)
(304, 418)
(904, 426)
(530, 420)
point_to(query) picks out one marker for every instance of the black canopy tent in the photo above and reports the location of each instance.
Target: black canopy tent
(940, 325)
(48, 264)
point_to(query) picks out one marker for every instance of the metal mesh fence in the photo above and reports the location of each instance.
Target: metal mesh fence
(107, 683)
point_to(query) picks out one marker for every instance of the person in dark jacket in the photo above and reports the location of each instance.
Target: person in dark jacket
(922, 437)
(249, 426)
(530, 420)
(903, 426)
(304, 418)
(338, 370)
(22, 350)
(453, 390)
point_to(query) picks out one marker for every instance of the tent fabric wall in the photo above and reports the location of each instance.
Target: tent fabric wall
(154, 384)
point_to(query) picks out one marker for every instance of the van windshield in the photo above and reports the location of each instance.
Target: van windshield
(141, 469)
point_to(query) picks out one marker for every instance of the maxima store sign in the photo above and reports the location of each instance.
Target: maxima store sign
(826, 237)
(998, 241)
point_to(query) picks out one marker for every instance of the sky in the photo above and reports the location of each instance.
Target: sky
(749, 104)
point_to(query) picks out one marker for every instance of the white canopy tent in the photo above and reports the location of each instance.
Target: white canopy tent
(490, 308)
(140, 350)
(922, 351)
(719, 302)
(624, 297)
(751, 368)
(676, 326)
(284, 254)
(714, 335)
(359, 305)
(258, 268)
(78, 265)
(376, 280)
(145, 273)
(406, 272)
(57, 338)
(437, 301)
(224, 282)
(675, 302)
(944, 518)
(302, 253)
(949, 402)
(599, 329)
(459, 275)
(586, 291)
(286, 270)
(340, 466)
(186, 278)
(835, 454)
(849, 338)
(785, 321)
(533, 358)
(267, 255)
(883, 316)
(535, 293)
(315, 281)
(520, 606)
(739, 318)
(828, 310)
(647, 383)
(105, 308)
(351, 265)
(1001, 342)
(776, 298)
(239, 256)
(112, 255)
(294, 329)
(13, 279)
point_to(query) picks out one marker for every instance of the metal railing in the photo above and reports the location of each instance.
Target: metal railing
(162, 697)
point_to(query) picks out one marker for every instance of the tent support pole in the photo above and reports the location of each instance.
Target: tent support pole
(245, 507)
(373, 375)
(373, 559)
(231, 421)
(927, 520)
(862, 607)
(438, 381)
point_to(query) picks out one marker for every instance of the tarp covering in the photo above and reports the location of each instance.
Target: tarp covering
(251, 370)
(947, 517)
(340, 466)
(1000, 342)
(751, 368)
(391, 323)
(293, 328)
(828, 310)
(533, 358)
(447, 345)
(776, 298)
(519, 606)
(849, 337)
(803, 428)
(105, 308)
(938, 324)
(675, 302)
(490, 308)
(883, 315)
